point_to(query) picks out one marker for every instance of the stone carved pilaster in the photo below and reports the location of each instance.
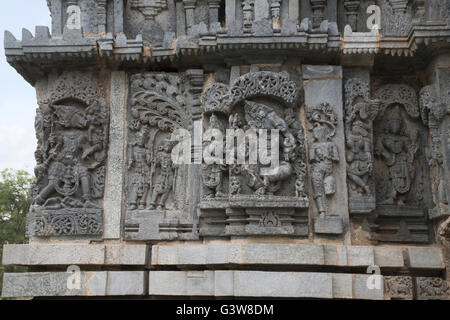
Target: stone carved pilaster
(360, 113)
(150, 29)
(248, 14)
(149, 8)
(318, 9)
(189, 7)
(213, 8)
(72, 133)
(352, 8)
(275, 14)
(101, 15)
(418, 7)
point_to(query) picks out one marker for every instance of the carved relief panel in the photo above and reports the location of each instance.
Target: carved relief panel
(158, 203)
(402, 174)
(72, 133)
(241, 197)
(326, 142)
(434, 107)
(360, 113)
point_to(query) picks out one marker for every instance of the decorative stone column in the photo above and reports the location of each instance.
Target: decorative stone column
(213, 7)
(113, 199)
(399, 6)
(318, 8)
(275, 14)
(351, 8)
(101, 15)
(418, 7)
(294, 6)
(56, 14)
(189, 7)
(247, 10)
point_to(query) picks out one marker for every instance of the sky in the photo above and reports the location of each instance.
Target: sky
(17, 97)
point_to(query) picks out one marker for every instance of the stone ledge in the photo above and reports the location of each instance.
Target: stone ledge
(47, 284)
(262, 284)
(73, 254)
(300, 254)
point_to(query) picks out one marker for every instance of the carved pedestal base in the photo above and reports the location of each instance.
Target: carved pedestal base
(331, 225)
(362, 204)
(65, 222)
(158, 225)
(401, 224)
(254, 216)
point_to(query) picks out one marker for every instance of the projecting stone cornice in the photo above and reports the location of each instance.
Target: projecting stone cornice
(38, 53)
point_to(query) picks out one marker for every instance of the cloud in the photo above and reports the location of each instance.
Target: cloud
(17, 147)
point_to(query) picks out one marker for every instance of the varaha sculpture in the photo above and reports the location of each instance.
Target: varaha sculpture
(315, 139)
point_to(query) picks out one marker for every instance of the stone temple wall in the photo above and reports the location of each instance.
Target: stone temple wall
(362, 181)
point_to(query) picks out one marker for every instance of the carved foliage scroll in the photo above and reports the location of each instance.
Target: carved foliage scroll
(158, 204)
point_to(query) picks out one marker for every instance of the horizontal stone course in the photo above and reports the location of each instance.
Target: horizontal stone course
(74, 254)
(262, 284)
(300, 254)
(56, 284)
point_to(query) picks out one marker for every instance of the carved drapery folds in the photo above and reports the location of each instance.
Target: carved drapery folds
(400, 165)
(156, 186)
(360, 113)
(244, 197)
(72, 133)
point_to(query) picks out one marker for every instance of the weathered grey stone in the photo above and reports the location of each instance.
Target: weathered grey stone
(389, 256)
(343, 286)
(306, 254)
(360, 256)
(423, 258)
(74, 254)
(328, 225)
(323, 90)
(53, 254)
(364, 288)
(116, 162)
(372, 168)
(283, 253)
(254, 284)
(126, 283)
(55, 284)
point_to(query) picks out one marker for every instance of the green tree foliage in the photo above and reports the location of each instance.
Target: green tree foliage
(14, 205)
